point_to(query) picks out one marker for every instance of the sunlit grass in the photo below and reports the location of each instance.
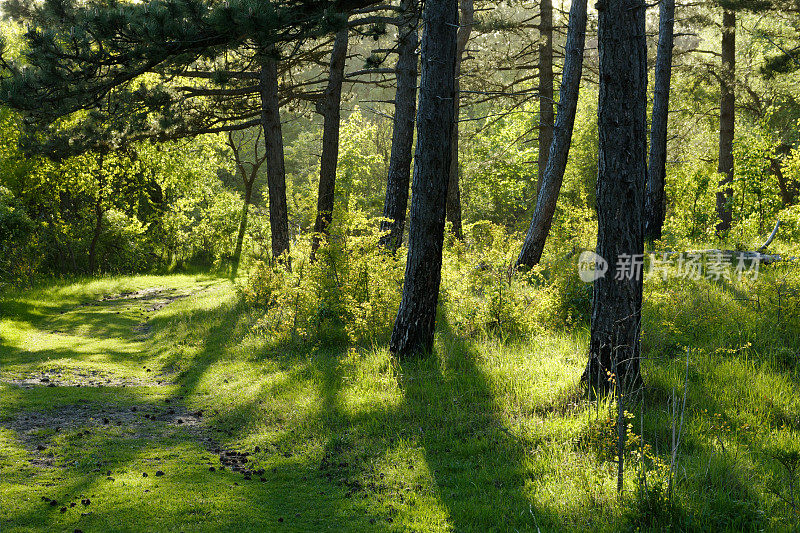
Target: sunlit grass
(482, 435)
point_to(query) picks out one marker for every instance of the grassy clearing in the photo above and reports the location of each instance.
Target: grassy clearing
(481, 436)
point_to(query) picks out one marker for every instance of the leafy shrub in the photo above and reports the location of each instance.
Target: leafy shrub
(483, 297)
(18, 262)
(349, 294)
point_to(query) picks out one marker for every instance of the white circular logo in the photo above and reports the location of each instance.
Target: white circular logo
(591, 266)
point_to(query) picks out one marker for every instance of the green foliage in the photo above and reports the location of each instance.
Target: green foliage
(692, 203)
(755, 325)
(348, 295)
(351, 293)
(498, 181)
(482, 298)
(16, 241)
(363, 163)
(159, 206)
(756, 191)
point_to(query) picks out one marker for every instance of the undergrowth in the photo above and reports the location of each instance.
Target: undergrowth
(740, 334)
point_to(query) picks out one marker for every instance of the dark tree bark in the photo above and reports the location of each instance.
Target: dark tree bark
(405, 106)
(789, 189)
(98, 213)
(656, 199)
(454, 189)
(622, 173)
(546, 117)
(550, 185)
(330, 109)
(98, 228)
(726, 120)
(416, 318)
(276, 170)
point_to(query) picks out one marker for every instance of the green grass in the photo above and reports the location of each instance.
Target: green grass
(480, 436)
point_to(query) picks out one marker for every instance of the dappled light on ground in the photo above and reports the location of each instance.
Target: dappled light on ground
(199, 423)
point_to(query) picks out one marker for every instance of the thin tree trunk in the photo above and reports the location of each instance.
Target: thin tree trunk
(467, 10)
(276, 170)
(330, 108)
(237, 253)
(550, 185)
(622, 173)
(416, 318)
(98, 213)
(98, 226)
(546, 117)
(788, 189)
(405, 106)
(726, 120)
(656, 200)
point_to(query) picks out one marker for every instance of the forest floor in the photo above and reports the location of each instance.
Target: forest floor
(147, 404)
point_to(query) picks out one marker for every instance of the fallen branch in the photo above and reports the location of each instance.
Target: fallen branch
(771, 236)
(764, 259)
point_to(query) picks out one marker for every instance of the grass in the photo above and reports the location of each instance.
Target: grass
(480, 436)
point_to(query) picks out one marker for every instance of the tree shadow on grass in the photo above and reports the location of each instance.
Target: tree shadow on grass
(110, 477)
(447, 413)
(476, 462)
(118, 328)
(224, 330)
(721, 467)
(472, 464)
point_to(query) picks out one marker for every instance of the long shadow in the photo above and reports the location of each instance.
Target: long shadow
(224, 330)
(476, 462)
(448, 411)
(118, 328)
(118, 504)
(714, 455)
(274, 500)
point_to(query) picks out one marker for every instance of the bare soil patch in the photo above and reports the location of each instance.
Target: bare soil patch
(88, 378)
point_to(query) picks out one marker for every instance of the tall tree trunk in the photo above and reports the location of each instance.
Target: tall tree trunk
(656, 200)
(237, 253)
(330, 108)
(98, 213)
(546, 117)
(416, 318)
(727, 114)
(550, 185)
(467, 10)
(276, 170)
(405, 106)
(622, 174)
(788, 189)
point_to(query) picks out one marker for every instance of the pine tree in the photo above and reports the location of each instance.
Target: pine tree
(550, 184)
(329, 106)
(405, 107)
(614, 348)
(655, 200)
(466, 19)
(78, 55)
(416, 319)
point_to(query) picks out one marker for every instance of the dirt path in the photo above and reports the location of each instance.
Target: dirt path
(136, 306)
(45, 432)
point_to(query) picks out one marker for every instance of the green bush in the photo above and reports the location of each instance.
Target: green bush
(349, 294)
(18, 260)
